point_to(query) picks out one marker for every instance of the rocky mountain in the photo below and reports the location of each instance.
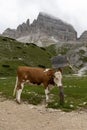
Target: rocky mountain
(22, 30)
(75, 51)
(43, 31)
(83, 37)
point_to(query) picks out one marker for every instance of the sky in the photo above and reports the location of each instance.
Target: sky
(15, 12)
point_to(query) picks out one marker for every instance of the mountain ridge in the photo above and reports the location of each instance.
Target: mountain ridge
(42, 28)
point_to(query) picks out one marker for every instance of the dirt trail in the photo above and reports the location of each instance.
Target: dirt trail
(29, 117)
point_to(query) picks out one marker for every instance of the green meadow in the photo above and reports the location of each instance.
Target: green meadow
(14, 54)
(75, 91)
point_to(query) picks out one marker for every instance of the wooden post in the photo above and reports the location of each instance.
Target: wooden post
(61, 94)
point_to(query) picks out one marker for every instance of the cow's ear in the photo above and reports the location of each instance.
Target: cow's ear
(50, 72)
(60, 69)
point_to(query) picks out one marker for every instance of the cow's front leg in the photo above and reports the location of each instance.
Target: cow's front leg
(46, 94)
(19, 91)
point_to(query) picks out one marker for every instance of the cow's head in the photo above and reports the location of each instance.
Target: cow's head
(55, 76)
(58, 77)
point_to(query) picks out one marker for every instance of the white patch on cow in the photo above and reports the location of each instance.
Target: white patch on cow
(22, 85)
(23, 80)
(15, 86)
(27, 81)
(58, 78)
(18, 94)
(46, 93)
(46, 70)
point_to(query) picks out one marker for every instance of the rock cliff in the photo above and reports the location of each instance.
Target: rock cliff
(83, 37)
(43, 31)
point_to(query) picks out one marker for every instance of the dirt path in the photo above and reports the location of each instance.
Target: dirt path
(29, 117)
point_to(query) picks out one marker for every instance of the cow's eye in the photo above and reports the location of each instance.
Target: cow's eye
(56, 78)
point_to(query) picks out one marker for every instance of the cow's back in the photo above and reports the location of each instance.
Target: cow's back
(33, 74)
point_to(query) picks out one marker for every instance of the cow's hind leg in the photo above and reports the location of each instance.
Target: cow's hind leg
(15, 86)
(19, 91)
(46, 94)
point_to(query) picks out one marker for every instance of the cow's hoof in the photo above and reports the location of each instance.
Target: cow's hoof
(47, 101)
(18, 101)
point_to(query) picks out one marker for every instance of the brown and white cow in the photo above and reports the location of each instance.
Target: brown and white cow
(38, 76)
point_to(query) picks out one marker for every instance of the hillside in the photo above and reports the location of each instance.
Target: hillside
(13, 54)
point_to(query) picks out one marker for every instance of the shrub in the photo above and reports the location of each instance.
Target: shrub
(6, 66)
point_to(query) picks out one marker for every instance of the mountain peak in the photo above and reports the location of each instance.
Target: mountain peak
(42, 29)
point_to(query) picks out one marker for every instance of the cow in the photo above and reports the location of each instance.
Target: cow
(36, 75)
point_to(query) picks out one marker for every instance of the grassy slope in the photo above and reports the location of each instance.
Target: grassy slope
(13, 54)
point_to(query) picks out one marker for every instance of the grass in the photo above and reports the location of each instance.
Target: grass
(14, 54)
(75, 90)
(6, 87)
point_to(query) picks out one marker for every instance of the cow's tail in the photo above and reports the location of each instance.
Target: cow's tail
(15, 86)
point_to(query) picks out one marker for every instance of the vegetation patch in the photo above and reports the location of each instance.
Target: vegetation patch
(6, 66)
(41, 66)
(81, 51)
(84, 59)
